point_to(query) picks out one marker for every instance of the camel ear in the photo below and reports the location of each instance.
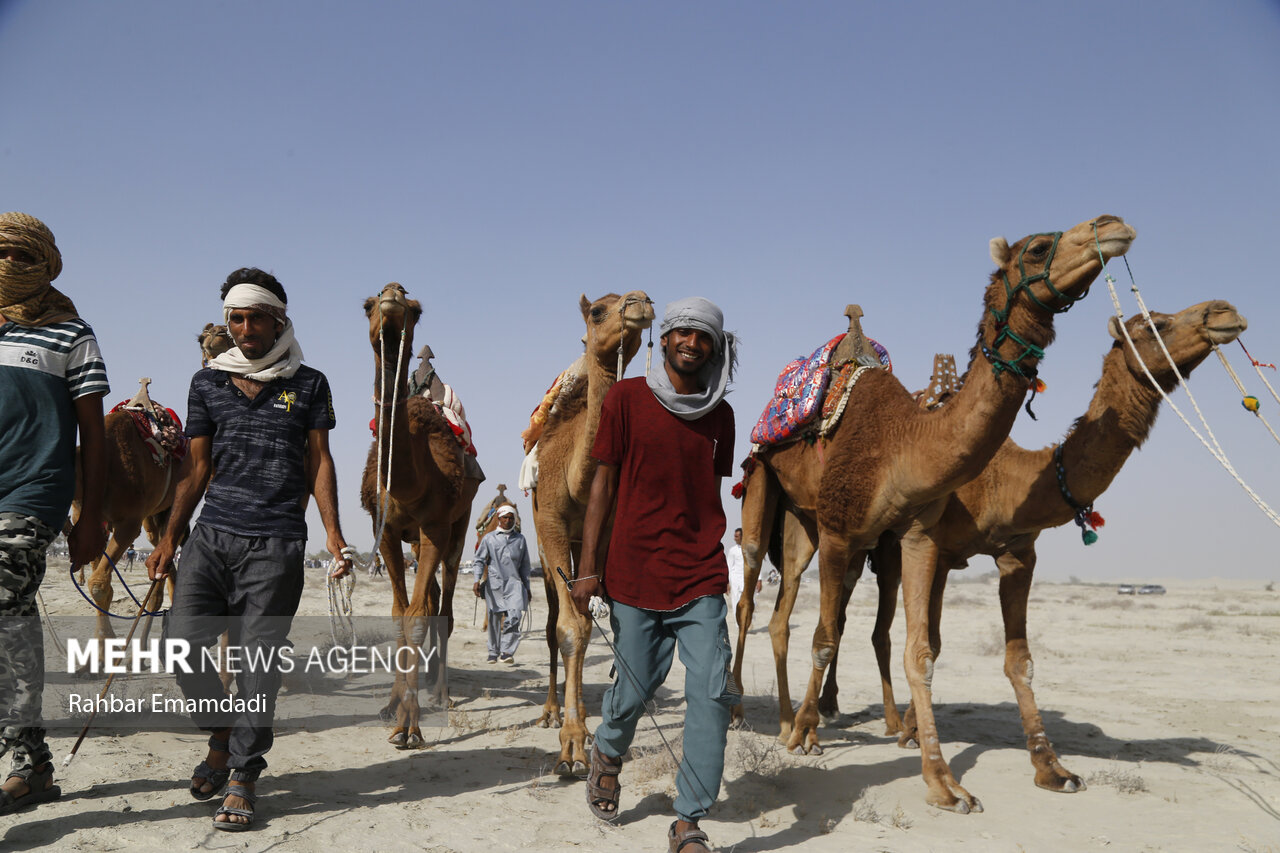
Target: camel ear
(585, 304)
(368, 305)
(1114, 328)
(1000, 251)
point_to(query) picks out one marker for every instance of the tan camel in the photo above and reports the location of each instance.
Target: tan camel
(420, 488)
(1022, 492)
(614, 327)
(889, 464)
(214, 340)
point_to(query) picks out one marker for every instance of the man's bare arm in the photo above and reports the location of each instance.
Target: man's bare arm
(193, 479)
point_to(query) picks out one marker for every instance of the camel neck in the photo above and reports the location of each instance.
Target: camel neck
(1119, 418)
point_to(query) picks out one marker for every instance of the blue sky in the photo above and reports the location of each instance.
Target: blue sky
(500, 159)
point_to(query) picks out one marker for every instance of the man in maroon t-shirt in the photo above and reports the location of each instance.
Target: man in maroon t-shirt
(662, 446)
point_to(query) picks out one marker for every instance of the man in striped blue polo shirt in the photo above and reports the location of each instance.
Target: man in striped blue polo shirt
(52, 381)
(259, 424)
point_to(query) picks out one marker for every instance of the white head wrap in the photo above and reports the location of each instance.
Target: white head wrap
(506, 509)
(283, 359)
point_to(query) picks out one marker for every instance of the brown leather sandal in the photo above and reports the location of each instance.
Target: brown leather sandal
(676, 842)
(599, 796)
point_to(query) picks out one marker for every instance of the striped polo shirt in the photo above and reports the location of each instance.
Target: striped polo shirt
(43, 370)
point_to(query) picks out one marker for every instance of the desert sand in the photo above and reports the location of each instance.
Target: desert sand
(1164, 704)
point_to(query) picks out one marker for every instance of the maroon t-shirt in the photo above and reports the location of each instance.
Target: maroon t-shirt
(665, 550)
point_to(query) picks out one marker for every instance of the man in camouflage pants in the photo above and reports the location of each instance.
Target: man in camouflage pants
(52, 381)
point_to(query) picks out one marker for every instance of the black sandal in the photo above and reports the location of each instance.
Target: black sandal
(39, 788)
(215, 778)
(599, 796)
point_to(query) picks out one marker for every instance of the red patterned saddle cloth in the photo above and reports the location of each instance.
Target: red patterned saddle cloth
(161, 429)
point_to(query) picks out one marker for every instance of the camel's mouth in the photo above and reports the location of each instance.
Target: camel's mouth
(1225, 326)
(1114, 235)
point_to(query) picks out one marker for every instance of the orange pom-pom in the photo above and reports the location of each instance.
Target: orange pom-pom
(1039, 385)
(1096, 520)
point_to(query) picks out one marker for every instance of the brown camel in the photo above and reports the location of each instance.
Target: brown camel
(137, 496)
(418, 488)
(889, 464)
(140, 483)
(1021, 492)
(614, 327)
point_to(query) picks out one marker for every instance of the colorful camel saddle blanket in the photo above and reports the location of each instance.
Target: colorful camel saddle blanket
(563, 385)
(802, 387)
(450, 406)
(161, 430)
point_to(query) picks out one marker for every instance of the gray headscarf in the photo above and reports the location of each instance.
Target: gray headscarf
(695, 312)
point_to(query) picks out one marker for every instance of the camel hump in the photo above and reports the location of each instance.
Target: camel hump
(942, 384)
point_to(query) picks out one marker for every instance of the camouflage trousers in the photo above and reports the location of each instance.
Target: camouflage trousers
(23, 541)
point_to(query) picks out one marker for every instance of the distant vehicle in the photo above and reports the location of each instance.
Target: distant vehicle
(1151, 589)
(467, 568)
(1125, 589)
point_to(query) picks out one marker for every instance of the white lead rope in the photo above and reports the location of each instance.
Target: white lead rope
(1215, 448)
(1244, 393)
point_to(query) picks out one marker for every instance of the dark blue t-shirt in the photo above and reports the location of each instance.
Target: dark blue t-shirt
(259, 479)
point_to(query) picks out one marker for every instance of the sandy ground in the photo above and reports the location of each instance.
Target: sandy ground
(1165, 705)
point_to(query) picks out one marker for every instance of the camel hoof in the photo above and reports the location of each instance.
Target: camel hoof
(565, 770)
(907, 742)
(580, 769)
(398, 740)
(413, 741)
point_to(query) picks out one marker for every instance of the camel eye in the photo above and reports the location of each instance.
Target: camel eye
(1038, 250)
(597, 313)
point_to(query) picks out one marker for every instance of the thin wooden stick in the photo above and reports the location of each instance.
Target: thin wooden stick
(111, 677)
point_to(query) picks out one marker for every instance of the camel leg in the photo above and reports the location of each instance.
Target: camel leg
(886, 563)
(1015, 587)
(442, 623)
(919, 563)
(100, 587)
(573, 634)
(835, 556)
(393, 560)
(799, 542)
(828, 701)
(758, 507)
(551, 584)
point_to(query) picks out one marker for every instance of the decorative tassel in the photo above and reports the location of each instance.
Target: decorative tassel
(1039, 385)
(1089, 537)
(738, 488)
(1250, 403)
(1096, 520)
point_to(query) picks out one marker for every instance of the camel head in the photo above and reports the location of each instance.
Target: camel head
(391, 313)
(1189, 336)
(214, 341)
(1056, 269)
(614, 319)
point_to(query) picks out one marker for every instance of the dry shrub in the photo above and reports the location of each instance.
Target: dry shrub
(1200, 623)
(1124, 781)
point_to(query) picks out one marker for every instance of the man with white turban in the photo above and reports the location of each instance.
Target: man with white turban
(259, 424)
(663, 445)
(52, 381)
(503, 558)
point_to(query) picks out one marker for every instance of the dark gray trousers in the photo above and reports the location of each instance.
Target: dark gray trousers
(250, 587)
